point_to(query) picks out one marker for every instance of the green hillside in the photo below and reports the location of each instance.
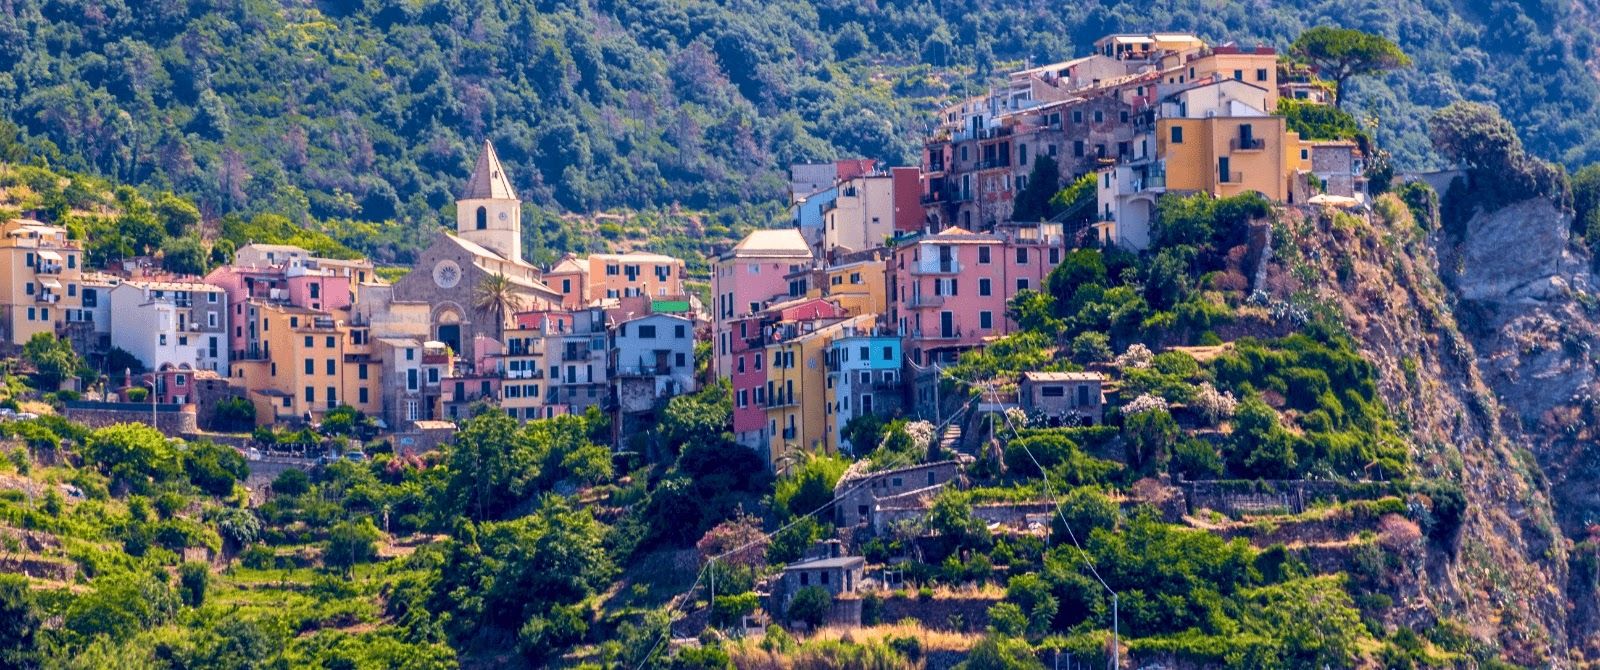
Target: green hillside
(369, 111)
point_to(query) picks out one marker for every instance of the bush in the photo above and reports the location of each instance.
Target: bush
(810, 605)
(192, 581)
(292, 482)
(350, 543)
(258, 557)
(730, 609)
(1091, 347)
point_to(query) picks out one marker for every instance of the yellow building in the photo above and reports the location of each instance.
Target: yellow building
(523, 386)
(1257, 66)
(40, 276)
(309, 362)
(1226, 156)
(858, 286)
(798, 400)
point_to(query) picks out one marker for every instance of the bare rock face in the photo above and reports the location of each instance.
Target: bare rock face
(1505, 577)
(1527, 302)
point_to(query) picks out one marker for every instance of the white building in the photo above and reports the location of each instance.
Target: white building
(165, 322)
(861, 217)
(657, 347)
(579, 362)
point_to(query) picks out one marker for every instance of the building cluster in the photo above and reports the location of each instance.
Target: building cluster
(883, 276)
(297, 335)
(1145, 114)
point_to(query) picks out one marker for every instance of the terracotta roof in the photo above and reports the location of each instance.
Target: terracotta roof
(488, 179)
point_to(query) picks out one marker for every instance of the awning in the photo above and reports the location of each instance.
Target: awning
(50, 255)
(49, 283)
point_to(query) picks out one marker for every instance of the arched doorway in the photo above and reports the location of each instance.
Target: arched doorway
(448, 328)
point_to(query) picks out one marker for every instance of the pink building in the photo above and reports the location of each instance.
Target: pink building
(948, 291)
(748, 378)
(297, 285)
(749, 276)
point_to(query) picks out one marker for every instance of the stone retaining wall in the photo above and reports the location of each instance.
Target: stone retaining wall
(170, 419)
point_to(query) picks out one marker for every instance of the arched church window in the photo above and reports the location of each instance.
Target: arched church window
(483, 218)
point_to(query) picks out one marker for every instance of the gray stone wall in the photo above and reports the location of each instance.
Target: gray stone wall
(170, 419)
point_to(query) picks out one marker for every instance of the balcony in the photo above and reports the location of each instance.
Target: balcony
(781, 400)
(919, 334)
(47, 268)
(993, 163)
(1231, 177)
(525, 374)
(47, 298)
(940, 267)
(575, 354)
(919, 301)
(1247, 144)
(948, 195)
(658, 370)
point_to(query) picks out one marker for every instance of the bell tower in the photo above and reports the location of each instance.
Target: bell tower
(488, 211)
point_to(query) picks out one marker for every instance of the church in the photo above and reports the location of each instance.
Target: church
(487, 242)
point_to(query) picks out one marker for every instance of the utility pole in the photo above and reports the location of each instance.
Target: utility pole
(1116, 643)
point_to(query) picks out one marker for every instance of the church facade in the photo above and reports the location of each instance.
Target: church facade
(486, 242)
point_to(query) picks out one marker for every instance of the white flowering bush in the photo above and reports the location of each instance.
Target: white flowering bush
(1016, 416)
(1144, 403)
(921, 433)
(1213, 405)
(1137, 356)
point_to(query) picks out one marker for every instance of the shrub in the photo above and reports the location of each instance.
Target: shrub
(728, 610)
(291, 482)
(192, 580)
(810, 605)
(1091, 347)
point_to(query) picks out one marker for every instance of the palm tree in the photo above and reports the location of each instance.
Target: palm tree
(496, 295)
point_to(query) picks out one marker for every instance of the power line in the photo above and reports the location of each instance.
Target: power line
(1050, 491)
(765, 536)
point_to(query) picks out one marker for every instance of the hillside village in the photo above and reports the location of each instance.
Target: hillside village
(1084, 310)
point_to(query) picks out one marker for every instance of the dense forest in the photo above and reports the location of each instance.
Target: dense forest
(358, 112)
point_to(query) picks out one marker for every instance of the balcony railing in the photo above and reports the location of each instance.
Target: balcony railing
(47, 298)
(949, 195)
(992, 163)
(926, 301)
(1232, 177)
(525, 374)
(942, 267)
(1247, 144)
(644, 370)
(47, 268)
(919, 334)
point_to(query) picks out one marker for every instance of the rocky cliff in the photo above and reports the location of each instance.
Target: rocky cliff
(1505, 576)
(1526, 301)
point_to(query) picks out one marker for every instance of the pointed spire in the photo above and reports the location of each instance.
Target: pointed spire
(489, 180)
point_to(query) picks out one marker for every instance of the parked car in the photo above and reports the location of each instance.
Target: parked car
(253, 454)
(355, 457)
